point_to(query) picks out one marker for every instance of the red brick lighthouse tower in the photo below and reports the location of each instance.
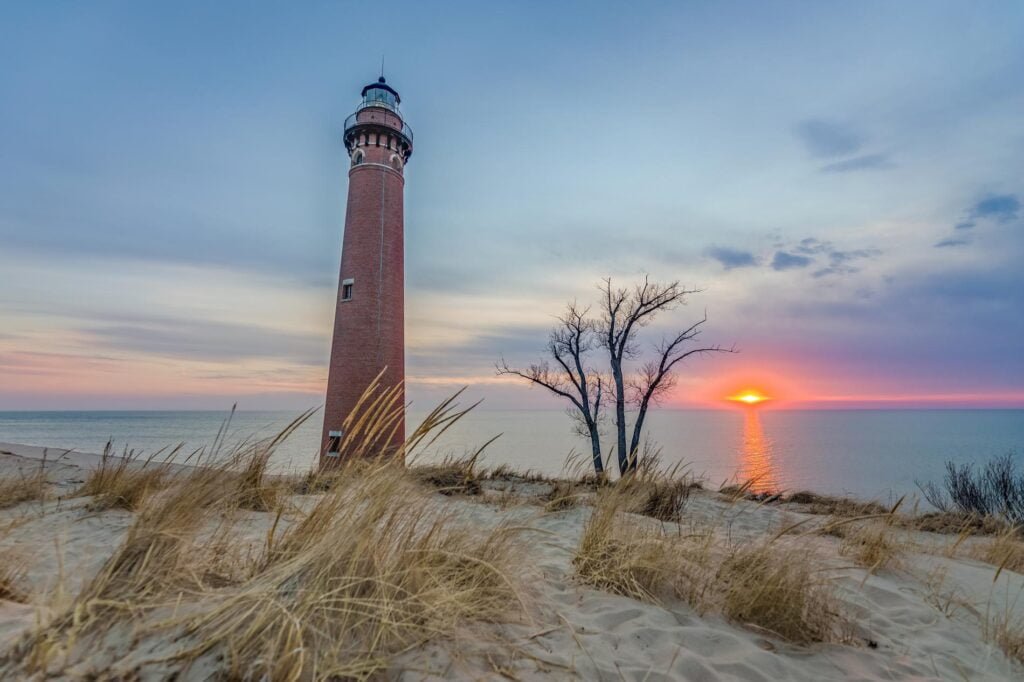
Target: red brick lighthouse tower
(369, 322)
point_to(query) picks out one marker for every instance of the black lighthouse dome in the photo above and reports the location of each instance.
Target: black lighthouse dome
(380, 94)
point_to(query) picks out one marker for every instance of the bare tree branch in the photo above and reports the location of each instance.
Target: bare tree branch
(656, 377)
(568, 345)
(540, 375)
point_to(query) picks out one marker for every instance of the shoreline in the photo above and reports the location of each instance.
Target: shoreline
(872, 455)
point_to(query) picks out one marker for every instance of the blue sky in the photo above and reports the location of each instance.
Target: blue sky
(845, 181)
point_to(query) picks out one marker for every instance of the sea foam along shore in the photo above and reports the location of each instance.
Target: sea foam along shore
(501, 576)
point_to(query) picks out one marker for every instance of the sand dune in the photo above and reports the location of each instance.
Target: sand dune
(923, 619)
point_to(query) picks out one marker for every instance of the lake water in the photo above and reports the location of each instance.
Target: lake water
(868, 453)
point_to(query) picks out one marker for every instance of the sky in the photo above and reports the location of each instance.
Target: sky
(843, 181)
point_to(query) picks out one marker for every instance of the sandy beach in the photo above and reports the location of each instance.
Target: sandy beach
(925, 616)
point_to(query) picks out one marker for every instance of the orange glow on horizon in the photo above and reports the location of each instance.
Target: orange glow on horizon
(749, 397)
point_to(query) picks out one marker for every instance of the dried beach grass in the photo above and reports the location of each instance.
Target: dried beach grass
(624, 557)
(254, 489)
(956, 523)
(563, 495)
(657, 492)
(1004, 626)
(380, 571)
(375, 567)
(748, 490)
(869, 539)
(158, 559)
(157, 555)
(12, 576)
(771, 585)
(775, 588)
(661, 497)
(124, 482)
(1004, 550)
(452, 476)
(872, 545)
(832, 505)
(1006, 632)
(23, 487)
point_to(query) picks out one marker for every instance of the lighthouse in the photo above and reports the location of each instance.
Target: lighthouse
(369, 318)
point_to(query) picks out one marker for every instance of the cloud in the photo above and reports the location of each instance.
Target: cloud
(827, 139)
(520, 343)
(789, 261)
(1002, 208)
(841, 257)
(209, 341)
(840, 144)
(999, 207)
(864, 162)
(731, 258)
(811, 246)
(839, 261)
(806, 251)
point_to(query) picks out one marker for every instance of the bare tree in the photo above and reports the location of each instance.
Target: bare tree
(625, 312)
(569, 344)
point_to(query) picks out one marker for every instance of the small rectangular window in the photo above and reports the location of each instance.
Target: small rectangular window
(333, 443)
(346, 289)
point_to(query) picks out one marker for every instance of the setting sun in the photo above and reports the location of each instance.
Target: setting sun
(749, 397)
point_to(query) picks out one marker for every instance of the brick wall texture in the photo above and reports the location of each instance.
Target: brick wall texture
(369, 329)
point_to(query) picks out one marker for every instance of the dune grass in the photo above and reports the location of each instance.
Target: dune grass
(657, 491)
(24, 487)
(12, 577)
(451, 476)
(832, 505)
(374, 567)
(563, 495)
(1005, 550)
(956, 523)
(769, 585)
(661, 496)
(1007, 633)
(872, 545)
(253, 488)
(381, 571)
(774, 587)
(626, 555)
(622, 556)
(125, 481)
(1003, 625)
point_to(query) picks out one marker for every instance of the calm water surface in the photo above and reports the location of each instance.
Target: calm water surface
(869, 453)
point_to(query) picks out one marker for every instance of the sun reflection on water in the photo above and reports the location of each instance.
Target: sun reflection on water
(757, 462)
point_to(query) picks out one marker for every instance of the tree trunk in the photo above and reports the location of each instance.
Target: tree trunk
(634, 445)
(595, 436)
(620, 413)
(595, 449)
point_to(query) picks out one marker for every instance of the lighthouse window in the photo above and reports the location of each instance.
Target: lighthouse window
(346, 289)
(333, 443)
